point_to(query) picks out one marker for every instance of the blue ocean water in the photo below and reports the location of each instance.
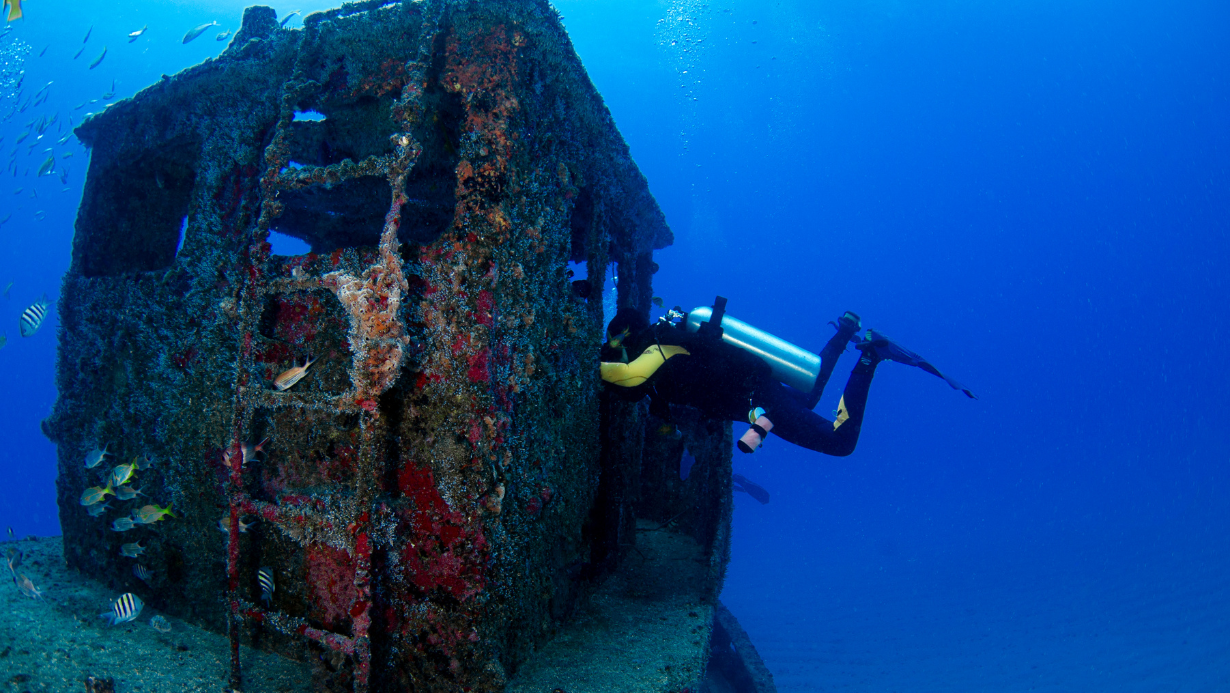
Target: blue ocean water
(1033, 195)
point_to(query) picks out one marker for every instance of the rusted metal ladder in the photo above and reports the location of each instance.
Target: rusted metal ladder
(377, 337)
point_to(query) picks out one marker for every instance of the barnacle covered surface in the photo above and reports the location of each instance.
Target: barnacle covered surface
(445, 484)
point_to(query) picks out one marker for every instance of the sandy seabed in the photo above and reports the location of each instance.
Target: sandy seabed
(54, 643)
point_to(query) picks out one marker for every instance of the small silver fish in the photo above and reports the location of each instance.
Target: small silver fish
(27, 588)
(134, 35)
(95, 494)
(160, 624)
(127, 492)
(133, 550)
(87, 34)
(95, 457)
(99, 59)
(13, 559)
(33, 316)
(78, 55)
(96, 510)
(121, 524)
(4, 339)
(289, 377)
(288, 17)
(121, 474)
(223, 36)
(192, 34)
(264, 577)
(149, 514)
(144, 462)
(250, 451)
(125, 609)
(224, 525)
(48, 166)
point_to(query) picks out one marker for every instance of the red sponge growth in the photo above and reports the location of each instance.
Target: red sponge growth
(330, 574)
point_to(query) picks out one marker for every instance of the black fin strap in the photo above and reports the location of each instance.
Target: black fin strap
(760, 431)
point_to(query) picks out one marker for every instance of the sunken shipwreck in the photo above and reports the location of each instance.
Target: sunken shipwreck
(389, 457)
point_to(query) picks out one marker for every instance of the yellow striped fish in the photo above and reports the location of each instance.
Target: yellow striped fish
(264, 577)
(126, 608)
(33, 316)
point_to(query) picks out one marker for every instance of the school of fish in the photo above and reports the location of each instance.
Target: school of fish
(51, 162)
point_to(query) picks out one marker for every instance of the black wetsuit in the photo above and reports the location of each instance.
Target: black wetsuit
(725, 382)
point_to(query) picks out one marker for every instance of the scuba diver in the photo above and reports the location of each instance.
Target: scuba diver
(730, 370)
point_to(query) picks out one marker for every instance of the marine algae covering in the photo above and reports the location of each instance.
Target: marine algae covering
(389, 456)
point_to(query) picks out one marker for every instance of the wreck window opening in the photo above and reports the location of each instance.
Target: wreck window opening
(134, 215)
(287, 246)
(352, 130)
(580, 270)
(431, 186)
(346, 215)
(183, 231)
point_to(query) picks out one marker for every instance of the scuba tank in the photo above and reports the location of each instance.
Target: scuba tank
(790, 364)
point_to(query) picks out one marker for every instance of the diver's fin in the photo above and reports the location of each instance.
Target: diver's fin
(880, 348)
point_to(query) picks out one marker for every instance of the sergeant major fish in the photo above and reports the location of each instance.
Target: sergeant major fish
(192, 34)
(143, 574)
(33, 316)
(122, 524)
(95, 457)
(264, 577)
(223, 36)
(96, 510)
(125, 609)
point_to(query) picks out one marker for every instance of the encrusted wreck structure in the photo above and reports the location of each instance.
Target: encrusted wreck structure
(445, 485)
